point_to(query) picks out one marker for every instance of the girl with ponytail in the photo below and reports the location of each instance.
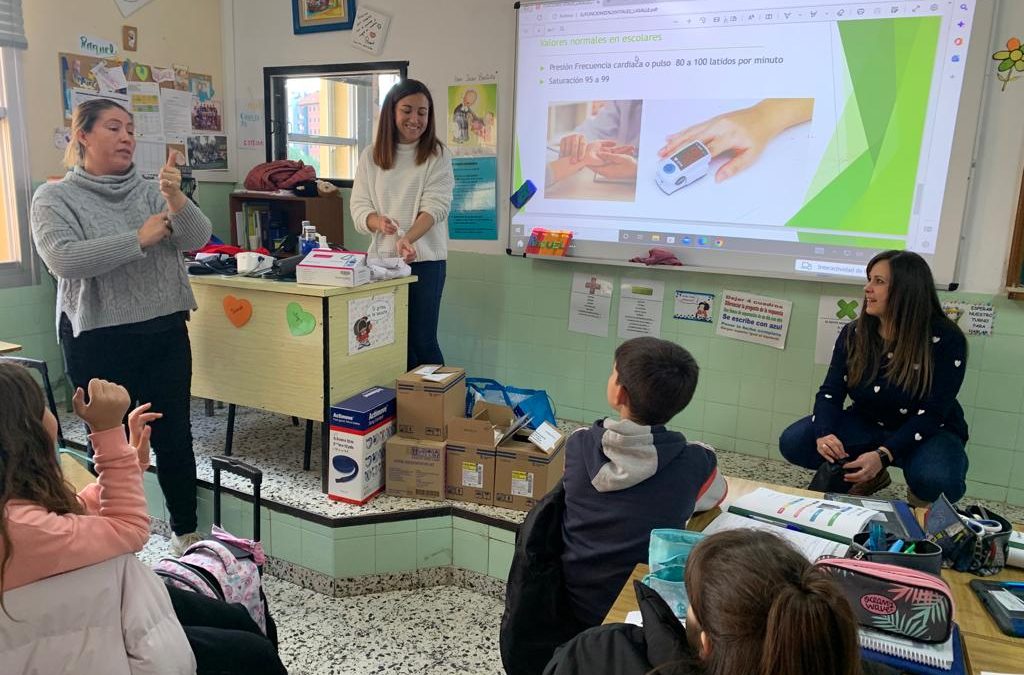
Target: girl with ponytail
(757, 607)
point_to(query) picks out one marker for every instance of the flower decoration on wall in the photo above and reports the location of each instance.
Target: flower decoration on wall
(1011, 60)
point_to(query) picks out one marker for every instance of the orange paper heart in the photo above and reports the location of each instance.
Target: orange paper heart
(238, 310)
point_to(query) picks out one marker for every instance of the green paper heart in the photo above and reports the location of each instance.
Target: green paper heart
(300, 322)
(142, 72)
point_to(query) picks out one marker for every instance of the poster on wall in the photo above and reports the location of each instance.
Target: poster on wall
(474, 212)
(473, 119)
(371, 323)
(692, 306)
(590, 304)
(250, 124)
(370, 30)
(974, 318)
(640, 304)
(754, 318)
(207, 152)
(834, 312)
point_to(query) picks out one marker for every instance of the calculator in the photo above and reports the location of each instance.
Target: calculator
(1004, 600)
(687, 165)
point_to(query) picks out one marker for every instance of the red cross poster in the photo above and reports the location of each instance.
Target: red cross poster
(590, 304)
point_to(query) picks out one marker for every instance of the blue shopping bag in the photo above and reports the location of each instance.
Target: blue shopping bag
(533, 402)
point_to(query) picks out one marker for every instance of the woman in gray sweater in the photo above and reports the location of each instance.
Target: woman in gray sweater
(114, 241)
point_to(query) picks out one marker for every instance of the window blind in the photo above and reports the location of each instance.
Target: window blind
(12, 26)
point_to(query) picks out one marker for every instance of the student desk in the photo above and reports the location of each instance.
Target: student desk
(986, 648)
(288, 352)
(9, 347)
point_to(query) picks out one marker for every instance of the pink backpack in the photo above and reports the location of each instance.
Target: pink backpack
(222, 567)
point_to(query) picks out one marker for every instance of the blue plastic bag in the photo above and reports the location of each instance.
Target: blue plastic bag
(533, 402)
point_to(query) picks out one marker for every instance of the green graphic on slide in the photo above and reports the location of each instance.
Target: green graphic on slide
(850, 240)
(880, 130)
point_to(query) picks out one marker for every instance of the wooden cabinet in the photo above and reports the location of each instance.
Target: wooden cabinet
(325, 213)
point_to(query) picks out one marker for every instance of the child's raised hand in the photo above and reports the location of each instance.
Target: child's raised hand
(107, 405)
(139, 430)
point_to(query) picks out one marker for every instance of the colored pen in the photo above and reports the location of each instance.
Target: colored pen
(896, 547)
(910, 549)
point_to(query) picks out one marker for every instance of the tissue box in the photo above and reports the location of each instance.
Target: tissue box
(324, 267)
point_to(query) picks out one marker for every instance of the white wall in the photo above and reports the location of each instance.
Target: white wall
(443, 38)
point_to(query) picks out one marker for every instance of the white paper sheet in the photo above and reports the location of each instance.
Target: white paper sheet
(640, 307)
(590, 303)
(144, 98)
(834, 312)
(176, 109)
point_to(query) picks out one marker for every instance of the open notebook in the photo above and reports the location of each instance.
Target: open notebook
(815, 526)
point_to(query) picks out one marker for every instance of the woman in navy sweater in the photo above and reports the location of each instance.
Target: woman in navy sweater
(901, 363)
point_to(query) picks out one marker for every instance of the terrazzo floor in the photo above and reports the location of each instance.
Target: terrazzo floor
(271, 442)
(437, 631)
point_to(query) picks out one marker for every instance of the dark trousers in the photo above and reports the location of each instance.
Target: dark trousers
(424, 308)
(936, 466)
(155, 367)
(223, 637)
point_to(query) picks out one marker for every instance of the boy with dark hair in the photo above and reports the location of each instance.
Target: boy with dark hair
(626, 477)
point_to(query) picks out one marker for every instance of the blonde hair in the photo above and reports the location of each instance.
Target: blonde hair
(84, 119)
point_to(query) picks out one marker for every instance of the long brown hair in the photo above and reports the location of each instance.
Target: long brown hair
(84, 119)
(912, 307)
(387, 131)
(766, 610)
(28, 461)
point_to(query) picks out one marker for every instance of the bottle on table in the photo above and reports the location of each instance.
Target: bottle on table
(308, 239)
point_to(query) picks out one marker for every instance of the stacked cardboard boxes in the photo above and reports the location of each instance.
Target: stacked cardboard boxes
(427, 398)
(489, 465)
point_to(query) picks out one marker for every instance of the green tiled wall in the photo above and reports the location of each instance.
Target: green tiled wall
(507, 318)
(357, 550)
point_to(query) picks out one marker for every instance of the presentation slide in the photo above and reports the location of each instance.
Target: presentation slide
(819, 132)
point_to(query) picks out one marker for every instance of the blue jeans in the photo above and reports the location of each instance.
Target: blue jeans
(424, 307)
(936, 466)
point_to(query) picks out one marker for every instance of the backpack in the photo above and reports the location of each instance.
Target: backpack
(220, 570)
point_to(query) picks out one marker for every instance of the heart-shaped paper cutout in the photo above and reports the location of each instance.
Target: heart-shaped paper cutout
(300, 322)
(238, 310)
(142, 72)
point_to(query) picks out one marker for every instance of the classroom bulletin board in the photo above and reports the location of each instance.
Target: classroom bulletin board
(173, 109)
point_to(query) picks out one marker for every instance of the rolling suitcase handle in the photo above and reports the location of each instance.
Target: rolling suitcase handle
(255, 476)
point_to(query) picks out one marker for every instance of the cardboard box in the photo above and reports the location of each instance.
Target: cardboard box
(471, 453)
(325, 267)
(523, 473)
(360, 426)
(425, 406)
(414, 468)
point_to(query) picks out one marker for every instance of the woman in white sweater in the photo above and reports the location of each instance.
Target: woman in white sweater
(401, 193)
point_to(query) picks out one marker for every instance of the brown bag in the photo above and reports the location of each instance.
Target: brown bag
(282, 174)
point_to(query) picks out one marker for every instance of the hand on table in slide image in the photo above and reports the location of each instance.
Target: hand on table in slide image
(605, 158)
(743, 132)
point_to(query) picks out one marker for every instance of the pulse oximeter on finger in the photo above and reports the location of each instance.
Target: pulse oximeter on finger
(690, 163)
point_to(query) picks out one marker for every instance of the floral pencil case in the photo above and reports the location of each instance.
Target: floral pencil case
(894, 599)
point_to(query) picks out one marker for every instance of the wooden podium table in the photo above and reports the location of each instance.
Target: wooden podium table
(289, 348)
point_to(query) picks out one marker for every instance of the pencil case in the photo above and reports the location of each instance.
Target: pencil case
(894, 599)
(927, 555)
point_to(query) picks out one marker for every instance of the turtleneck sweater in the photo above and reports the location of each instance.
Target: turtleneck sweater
(85, 229)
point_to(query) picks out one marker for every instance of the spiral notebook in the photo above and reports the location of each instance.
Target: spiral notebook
(911, 656)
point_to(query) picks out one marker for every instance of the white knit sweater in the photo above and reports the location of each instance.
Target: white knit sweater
(401, 193)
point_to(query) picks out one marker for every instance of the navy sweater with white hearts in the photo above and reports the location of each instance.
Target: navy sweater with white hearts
(908, 420)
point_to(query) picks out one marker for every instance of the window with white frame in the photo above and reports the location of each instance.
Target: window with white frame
(326, 115)
(16, 259)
